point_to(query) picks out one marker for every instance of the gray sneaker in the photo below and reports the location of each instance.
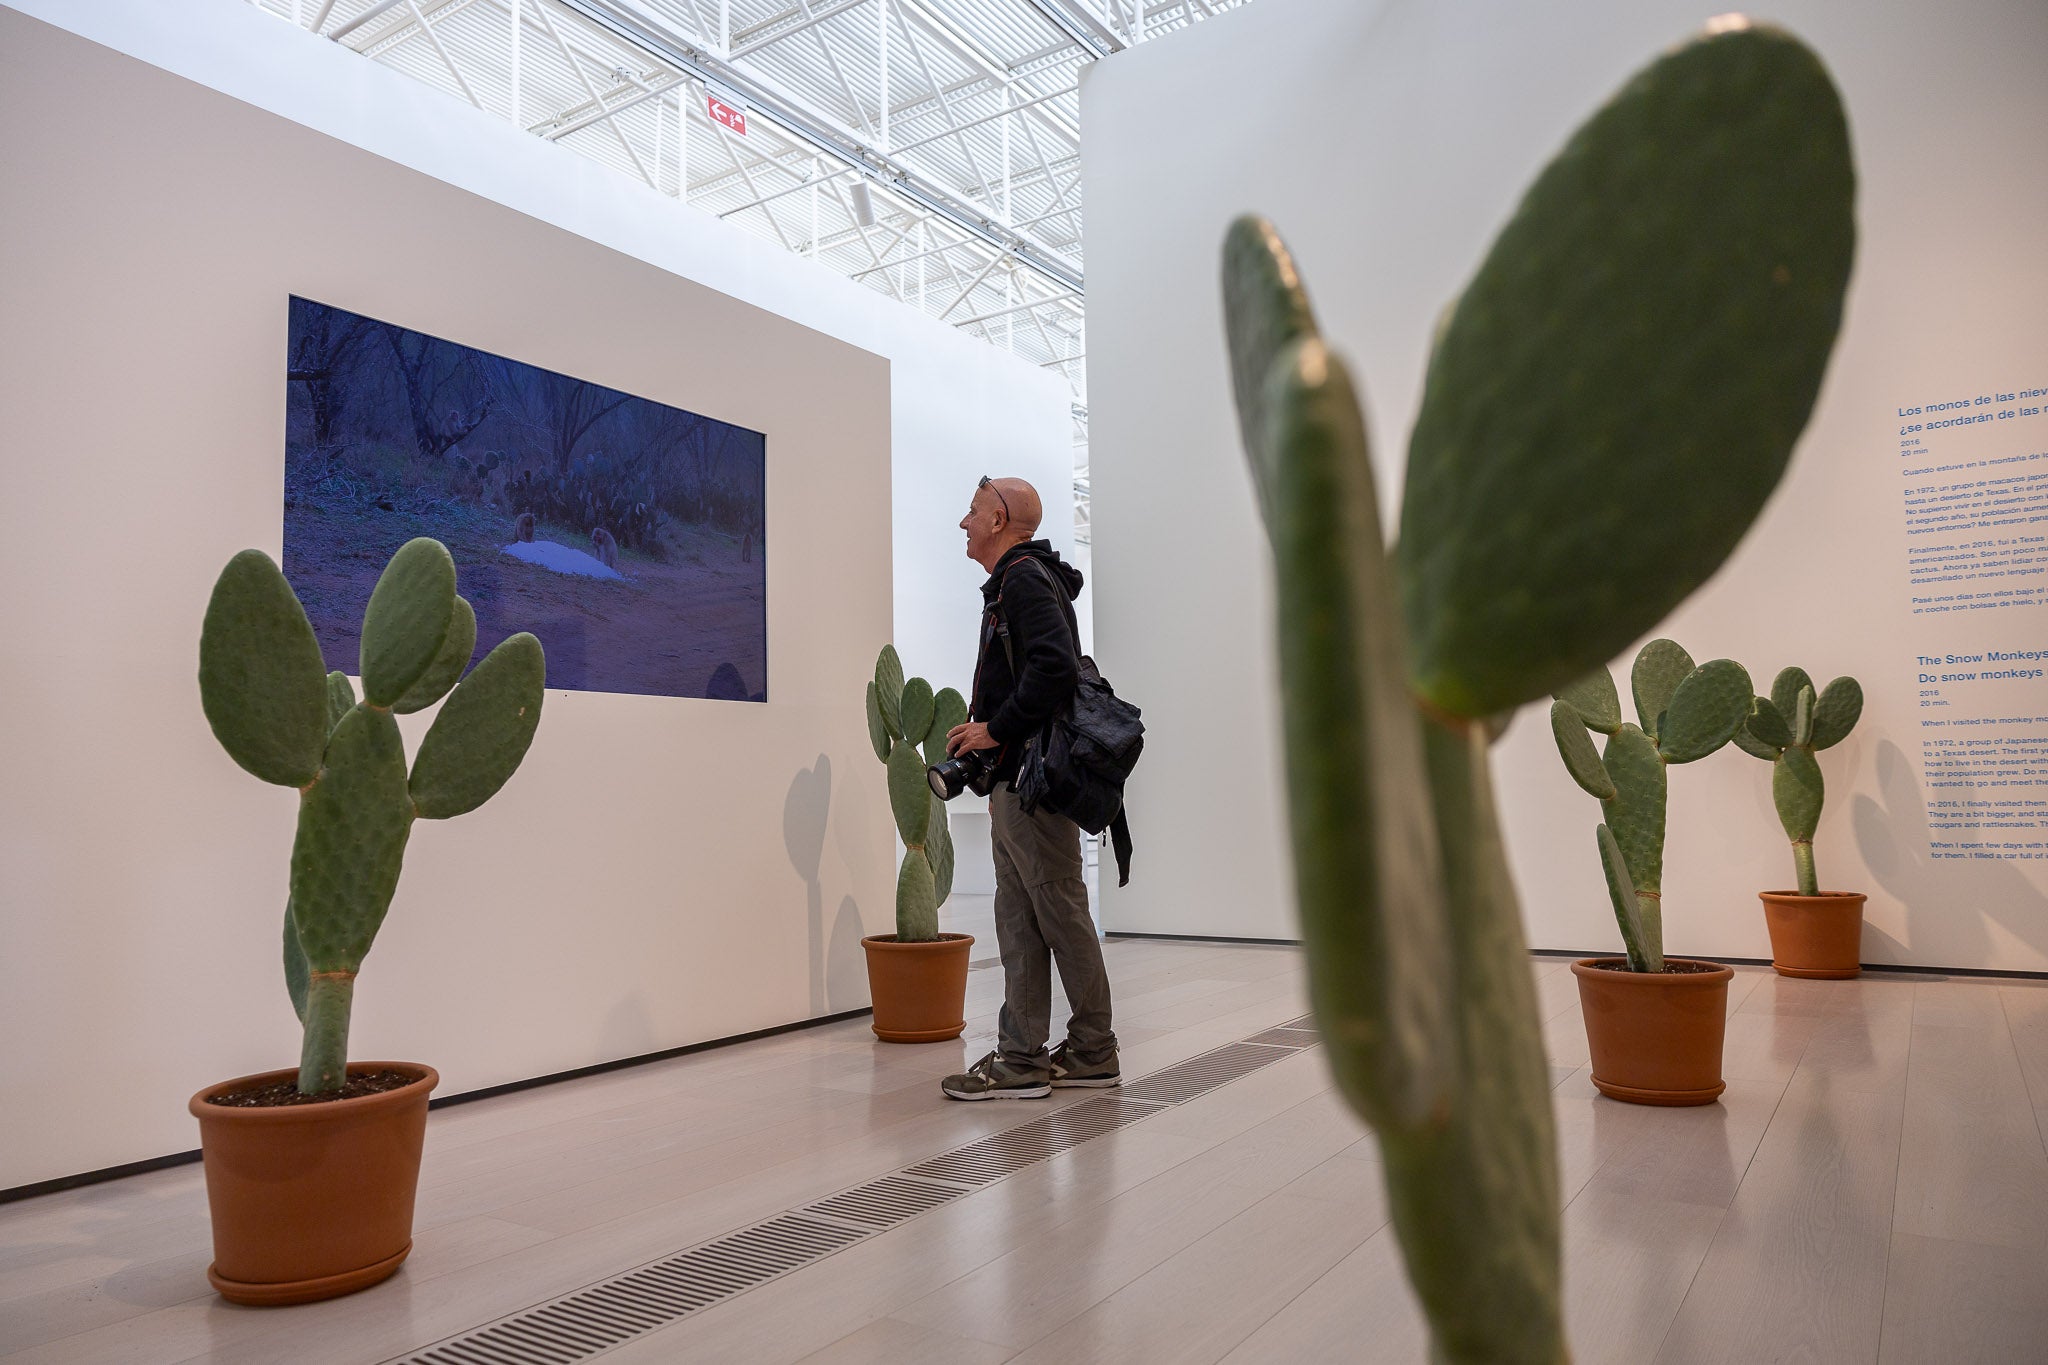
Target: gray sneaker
(989, 1079)
(1066, 1071)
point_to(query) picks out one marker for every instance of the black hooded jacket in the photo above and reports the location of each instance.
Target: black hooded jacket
(1035, 604)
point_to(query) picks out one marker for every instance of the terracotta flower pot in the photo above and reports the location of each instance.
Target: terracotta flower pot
(1655, 1036)
(1819, 936)
(312, 1201)
(919, 989)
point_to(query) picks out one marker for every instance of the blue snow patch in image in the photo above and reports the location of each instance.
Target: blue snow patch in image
(561, 558)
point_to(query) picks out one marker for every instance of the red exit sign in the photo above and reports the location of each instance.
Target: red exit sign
(725, 116)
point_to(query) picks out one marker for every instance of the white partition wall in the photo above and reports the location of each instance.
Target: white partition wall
(1389, 141)
(660, 871)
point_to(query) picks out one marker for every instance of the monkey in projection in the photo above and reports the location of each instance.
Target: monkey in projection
(607, 548)
(522, 526)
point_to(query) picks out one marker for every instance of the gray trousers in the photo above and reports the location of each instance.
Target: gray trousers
(1042, 918)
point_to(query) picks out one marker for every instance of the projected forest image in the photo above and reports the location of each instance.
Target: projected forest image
(625, 533)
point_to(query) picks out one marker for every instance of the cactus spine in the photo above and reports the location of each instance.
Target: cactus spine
(286, 720)
(1683, 714)
(1576, 470)
(908, 724)
(1786, 730)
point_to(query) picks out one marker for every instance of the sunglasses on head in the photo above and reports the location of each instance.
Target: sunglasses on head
(990, 485)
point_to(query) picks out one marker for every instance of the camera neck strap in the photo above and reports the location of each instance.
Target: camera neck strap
(997, 627)
(1001, 624)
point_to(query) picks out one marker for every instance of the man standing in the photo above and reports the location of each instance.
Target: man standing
(1028, 665)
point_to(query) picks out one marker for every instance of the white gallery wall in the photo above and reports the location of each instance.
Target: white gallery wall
(1389, 141)
(661, 871)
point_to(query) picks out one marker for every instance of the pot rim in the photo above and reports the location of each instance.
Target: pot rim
(1835, 897)
(425, 1078)
(1592, 968)
(887, 943)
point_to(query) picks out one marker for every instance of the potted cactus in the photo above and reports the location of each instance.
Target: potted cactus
(1654, 1023)
(917, 976)
(310, 1173)
(1606, 409)
(1814, 933)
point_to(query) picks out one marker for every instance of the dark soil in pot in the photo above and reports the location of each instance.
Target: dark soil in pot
(275, 1094)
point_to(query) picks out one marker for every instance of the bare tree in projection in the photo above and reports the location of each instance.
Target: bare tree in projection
(436, 375)
(324, 358)
(572, 408)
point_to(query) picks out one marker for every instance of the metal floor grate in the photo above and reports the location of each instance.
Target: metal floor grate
(1199, 1075)
(598, 1317)
(1006, 1153)
(1287, 1036)
(888, 1200)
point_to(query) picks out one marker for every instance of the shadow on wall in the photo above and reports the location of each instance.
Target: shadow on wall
(846, 963)
(838, 966)
(1961, 897)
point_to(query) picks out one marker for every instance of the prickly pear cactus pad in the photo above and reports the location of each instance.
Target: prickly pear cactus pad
(889, 689)
(482, 732)
(353, 825)
(949, 712)
(1367, 877)
(357, 802)
(910, 796)
(914, 709)
(1621, 384)
(1836, 712)
(1581, 759)
(878, 728)
(1267, 311)
(1707, 708)
(407, 621)
(1636, 816)
(1655, 675)
(261, 680)
(456, 648)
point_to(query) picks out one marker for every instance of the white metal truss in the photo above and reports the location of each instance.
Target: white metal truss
(929, 149)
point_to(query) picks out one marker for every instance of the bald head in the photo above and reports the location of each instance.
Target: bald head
(1026, 511)
(1002, 514)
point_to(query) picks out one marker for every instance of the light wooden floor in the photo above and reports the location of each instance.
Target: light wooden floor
(1873, 1188)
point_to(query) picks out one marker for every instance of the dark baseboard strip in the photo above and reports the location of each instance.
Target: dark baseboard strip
(1575, 953)
(1902, 968)
(598, 1069)
(158, 1163)
(1206, 938)
(1939, 971)
(72, 1182)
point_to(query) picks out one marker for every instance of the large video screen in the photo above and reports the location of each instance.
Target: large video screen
(626, 534)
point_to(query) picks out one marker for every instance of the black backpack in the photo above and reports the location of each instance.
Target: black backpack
(1077, 763)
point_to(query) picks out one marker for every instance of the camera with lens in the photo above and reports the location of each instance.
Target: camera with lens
(973, 772)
